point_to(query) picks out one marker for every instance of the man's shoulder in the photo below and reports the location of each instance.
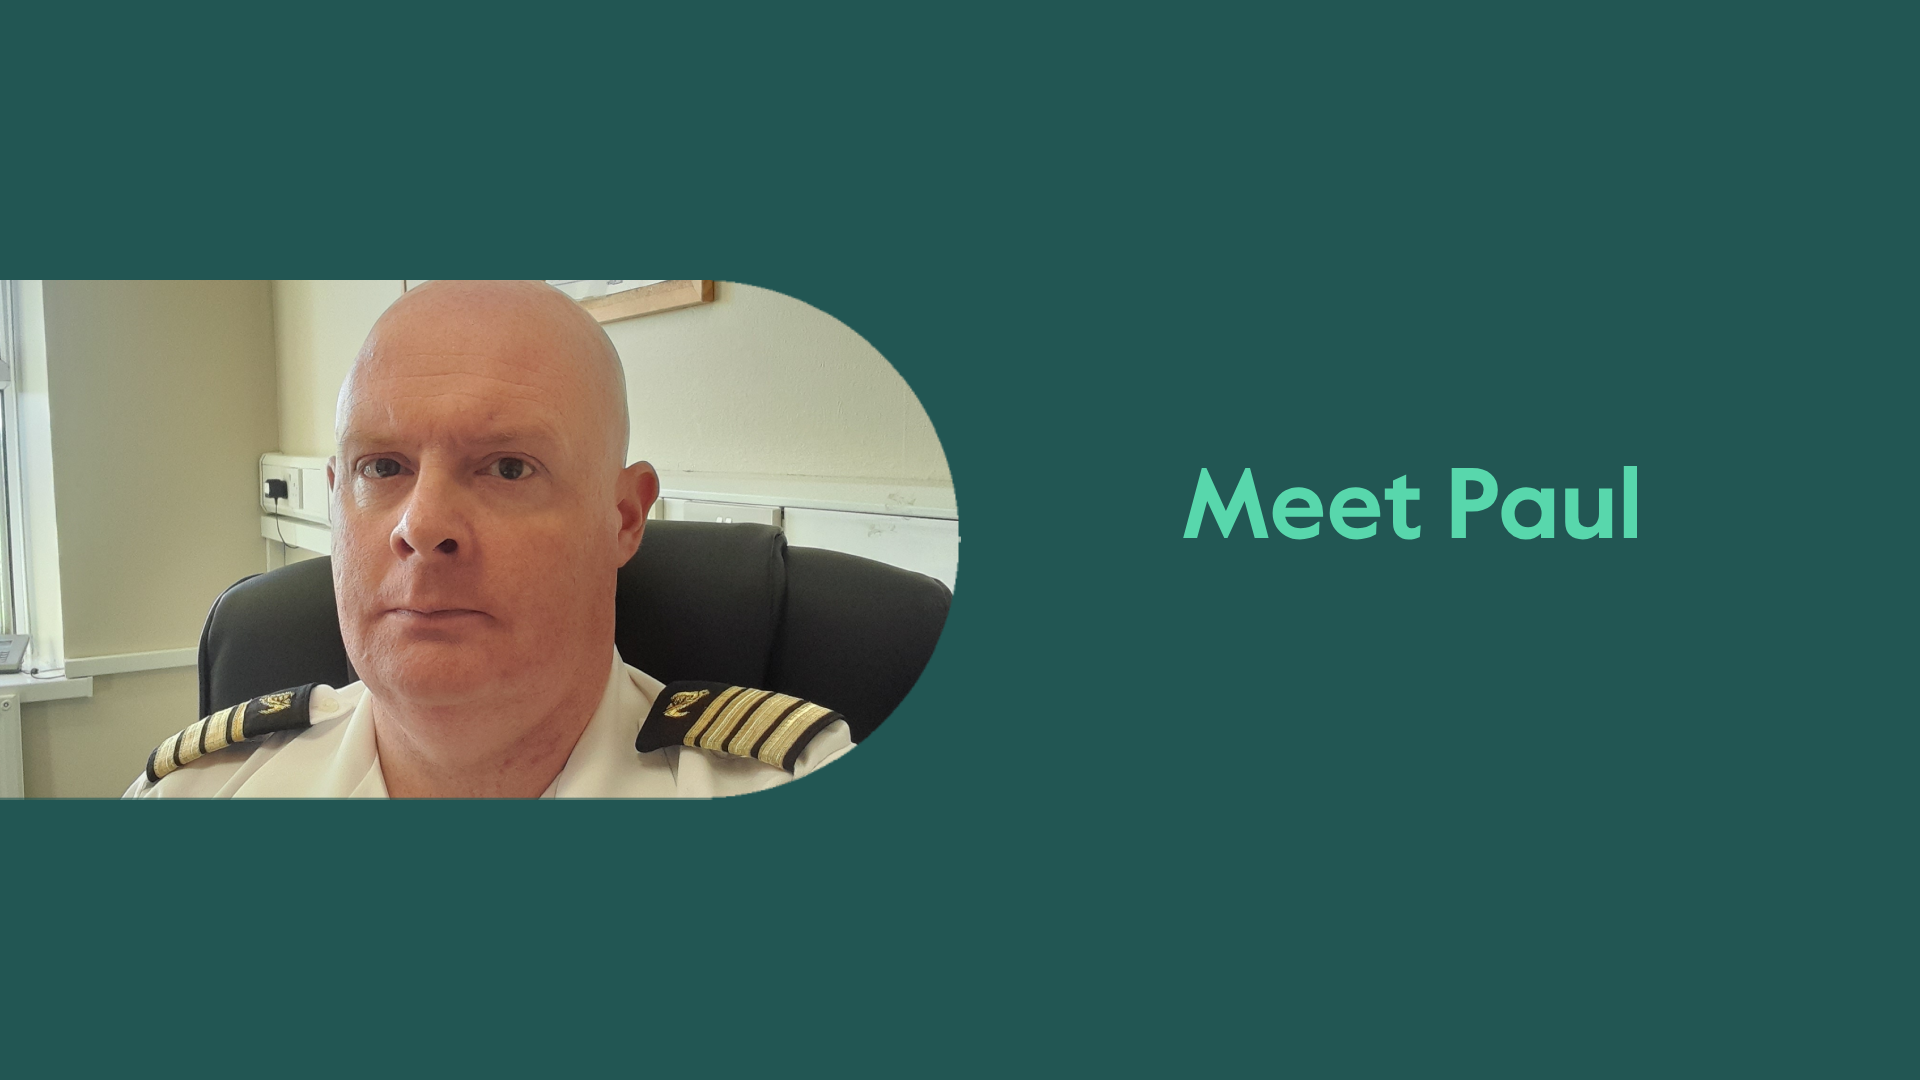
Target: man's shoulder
(737, 721)
(647, 742)
(216, 754)
(742, 731)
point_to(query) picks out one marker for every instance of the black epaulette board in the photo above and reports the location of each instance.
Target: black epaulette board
(255, 718)
(737, 720)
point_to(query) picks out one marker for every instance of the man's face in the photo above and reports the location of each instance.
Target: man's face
(478, 521)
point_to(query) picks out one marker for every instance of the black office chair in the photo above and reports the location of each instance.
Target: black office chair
(725, 603)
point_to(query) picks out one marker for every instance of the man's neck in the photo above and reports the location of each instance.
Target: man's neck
(491, 750)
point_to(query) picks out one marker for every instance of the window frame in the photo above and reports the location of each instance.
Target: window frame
(15, 614)
(33, 543)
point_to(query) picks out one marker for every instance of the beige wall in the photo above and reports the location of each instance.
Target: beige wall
(94, 747)
(318, 327)
(161, 397)
(756, 382)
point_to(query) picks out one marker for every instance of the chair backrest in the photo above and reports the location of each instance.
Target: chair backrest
(726, 603)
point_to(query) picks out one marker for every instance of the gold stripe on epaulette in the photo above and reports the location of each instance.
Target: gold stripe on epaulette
(189, 751)
(163, 762)
(714, 708)
(774, 750)
(230, 726)
(217, 731)
(722, 729)
(773, 708)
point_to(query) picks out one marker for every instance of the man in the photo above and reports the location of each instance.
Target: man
(480, 514)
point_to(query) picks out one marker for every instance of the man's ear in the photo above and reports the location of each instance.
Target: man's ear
(639, 486)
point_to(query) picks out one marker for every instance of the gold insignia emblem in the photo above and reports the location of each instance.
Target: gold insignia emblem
(684, 700)
(274, 703)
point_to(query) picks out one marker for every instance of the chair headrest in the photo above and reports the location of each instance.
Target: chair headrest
(702, 601)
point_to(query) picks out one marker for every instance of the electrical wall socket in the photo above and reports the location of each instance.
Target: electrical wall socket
(306, 487)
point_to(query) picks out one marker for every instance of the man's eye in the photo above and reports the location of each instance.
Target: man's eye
(510, 468)
(380, 469)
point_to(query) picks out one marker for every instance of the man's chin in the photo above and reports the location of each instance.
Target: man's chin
(437, 673)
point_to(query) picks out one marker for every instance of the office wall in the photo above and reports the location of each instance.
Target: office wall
(161, 398)
(756, 382)
(162, 402)
(318, 327)
(93, 747)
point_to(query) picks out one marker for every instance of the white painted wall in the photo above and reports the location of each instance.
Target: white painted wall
(758, 382)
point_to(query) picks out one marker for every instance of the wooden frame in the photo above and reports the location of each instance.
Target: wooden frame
(646, 300)
(649, 300)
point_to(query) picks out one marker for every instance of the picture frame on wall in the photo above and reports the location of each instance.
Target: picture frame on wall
(612, 301)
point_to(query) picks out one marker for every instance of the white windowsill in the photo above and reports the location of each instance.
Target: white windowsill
(30, 688)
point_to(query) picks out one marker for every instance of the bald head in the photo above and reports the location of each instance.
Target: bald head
(514, 331)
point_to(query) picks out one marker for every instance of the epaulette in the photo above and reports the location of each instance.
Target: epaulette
(736, 720)
(252, 719)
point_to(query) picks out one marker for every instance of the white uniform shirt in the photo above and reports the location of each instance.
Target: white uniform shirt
(338, 758)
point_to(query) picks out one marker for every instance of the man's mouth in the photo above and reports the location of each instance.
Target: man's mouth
(434, 614)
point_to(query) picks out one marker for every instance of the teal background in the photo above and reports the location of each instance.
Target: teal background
(1324, 808)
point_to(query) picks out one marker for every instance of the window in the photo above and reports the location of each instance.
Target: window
(12, 582)
(29, 592)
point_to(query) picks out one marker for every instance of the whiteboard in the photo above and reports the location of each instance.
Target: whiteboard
(929, 546)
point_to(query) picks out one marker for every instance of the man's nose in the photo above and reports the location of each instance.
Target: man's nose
(433, 521)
